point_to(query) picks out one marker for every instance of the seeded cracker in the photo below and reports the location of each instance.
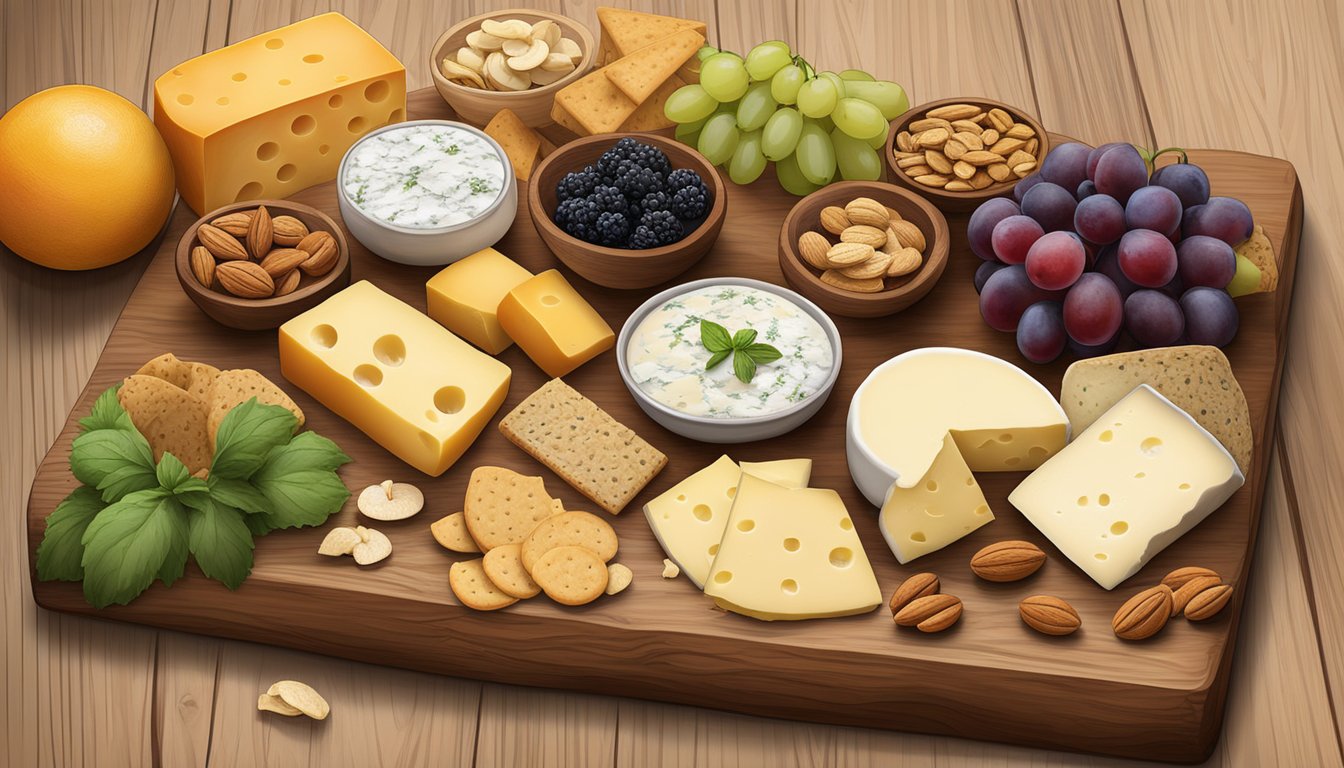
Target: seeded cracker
(170, 418)
(502, 506)
(235, 387)
(571, 575)
(578, 529)
(602, 458)
(504, 567)
(469, 582)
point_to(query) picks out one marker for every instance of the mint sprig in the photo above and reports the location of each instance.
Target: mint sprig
(742, 346)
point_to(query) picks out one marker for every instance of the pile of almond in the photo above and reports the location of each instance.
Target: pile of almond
(875, 244)
(251, 255)
(1198, 593)
(963, 147)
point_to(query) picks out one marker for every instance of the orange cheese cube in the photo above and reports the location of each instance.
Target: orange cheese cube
(553, 324)
(464, 297)
(273, 114)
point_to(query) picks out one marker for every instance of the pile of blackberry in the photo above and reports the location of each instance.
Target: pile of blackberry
(630, 199)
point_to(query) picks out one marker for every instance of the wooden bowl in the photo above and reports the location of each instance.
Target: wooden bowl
(956, 202)
(533, 106)
(900, 292)
(260, 314)
(620, 267)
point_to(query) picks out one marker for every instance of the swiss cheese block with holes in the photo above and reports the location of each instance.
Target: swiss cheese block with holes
(404, 380)
(1140, 477)
(945, 506)
(273, 114)
(791, 553)
(465, 295)
(553, 324)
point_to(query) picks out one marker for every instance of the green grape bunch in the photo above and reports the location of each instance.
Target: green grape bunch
(773, 106)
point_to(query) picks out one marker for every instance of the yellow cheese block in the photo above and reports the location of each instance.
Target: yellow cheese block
(790, 473)
(273, 114)
(945, 506)
(465, 297)
(553, 324)
(415, 388)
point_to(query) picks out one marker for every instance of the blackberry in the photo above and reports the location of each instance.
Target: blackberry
(690, 202)
(610, 161)
(577, 217)
(612, 229)
(683, 178)
(657, 228)
(649, 156)
(577, 184)
(637, 181)
(657, 200)
(608, 199)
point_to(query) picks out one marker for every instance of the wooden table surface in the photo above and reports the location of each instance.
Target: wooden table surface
(1235, 74)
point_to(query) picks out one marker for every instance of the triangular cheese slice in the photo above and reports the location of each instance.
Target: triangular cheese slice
(947, 505)
(628, 31)
(790, 473)
(639, 74)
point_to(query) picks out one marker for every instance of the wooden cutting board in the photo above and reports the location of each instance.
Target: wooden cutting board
(988, 678)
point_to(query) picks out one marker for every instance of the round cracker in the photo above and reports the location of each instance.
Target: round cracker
(504, 566)
(580, 529)
(571, 575)
(503, 506)
(469, 582)
(451, 533)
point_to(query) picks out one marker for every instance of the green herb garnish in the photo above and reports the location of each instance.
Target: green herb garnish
(742, 346)
(479, 186)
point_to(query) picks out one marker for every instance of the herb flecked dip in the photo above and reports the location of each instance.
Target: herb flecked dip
(667, 359)
(423, 176)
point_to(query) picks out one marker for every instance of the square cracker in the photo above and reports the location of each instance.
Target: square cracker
(235, 387)
(172, 419)
(1260, 252)
(520, 142)
(602, 458)
(642, 72)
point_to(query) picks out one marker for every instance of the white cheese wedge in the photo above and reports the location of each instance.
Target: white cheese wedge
(945, 506)
(791, 553)
(688, 519)
(1140, 477)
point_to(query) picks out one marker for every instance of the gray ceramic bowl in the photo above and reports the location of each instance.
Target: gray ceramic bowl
(743, 430)
(436, 246)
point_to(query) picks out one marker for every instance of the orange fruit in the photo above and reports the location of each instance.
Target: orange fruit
(85, 179)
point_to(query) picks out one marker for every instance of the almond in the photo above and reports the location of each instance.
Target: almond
(1000, 119)
(999, 171)
(1144, 614)
(322, 247)
(978, 157)
(982, 179)
(288, 231)
(908, 235)
(962, 170)
(933, 138)
(1177, 578)
(1020, 131)
(954, 111)
(1007, 561)
(835, 279)
(235, 223)
(867, 211)
(245, 279)
(260, 235)
(927, 124)
(990, 137)
(812, 247)
(938, 161)
(288, 283)
(1007, 146)
(967, 126)
(903, 262)
(932, 180)
(203, 266)
(869, 236)
(955, 148)
(834, 219)
(1049, 615)
(913, 588)
(1181, 597)
(972, 141)
(1208, 603)
(874, 267)
(843, 255)
(957, 185)
(1024, 169)
(281, 261)
(932, 613)
(905, 142)
(221, 244)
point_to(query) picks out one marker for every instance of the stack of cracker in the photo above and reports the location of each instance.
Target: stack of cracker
(530, 545)
(642, 59)
(523, 145)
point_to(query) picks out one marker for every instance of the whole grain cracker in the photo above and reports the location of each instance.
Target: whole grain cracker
(171, 419)
(578, 529)
(597, 455)
(452, 534)
(504, 567)
(571, 575)
(503, 506)
(474, 589)
(195, 378)
(235, 387)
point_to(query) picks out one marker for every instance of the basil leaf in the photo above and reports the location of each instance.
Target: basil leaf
(246, 435)
(298, 491)
(114, 461)
(128, 544)
(718, 357)
(175, 558)
(743, 338)
(763, 353)
(107, 413)
(743, 367)
(308, 450)
(239, 494)
(60, 554)
(259, 525)
(221, 543)
(172, 473)
(714, 336)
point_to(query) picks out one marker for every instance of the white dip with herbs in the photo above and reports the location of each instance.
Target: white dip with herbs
(667, 358)
(423, 176)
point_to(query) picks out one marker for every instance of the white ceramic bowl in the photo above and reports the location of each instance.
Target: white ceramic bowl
(743, 430)
(421, 246)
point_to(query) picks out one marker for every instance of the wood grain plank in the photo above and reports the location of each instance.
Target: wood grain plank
(180, 30)
(184, 698)
(1269, 78)
(524, 726)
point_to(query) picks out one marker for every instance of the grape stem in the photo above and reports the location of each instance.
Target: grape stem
(809, 72)
(1150, 156)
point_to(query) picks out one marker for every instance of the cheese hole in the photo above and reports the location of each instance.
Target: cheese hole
(1100, 555)
(732, 491)
(390, 350)
(377, 90)
(842, 557)
(970, 481)
(1184, 486)
(1106, 436)
(432, 415)
(285, 81)
(336, 101)
(357, 124)
(185, 99)
(933, 512)
(302, 125)
(287, 172)
(250, 191)
(1104, 499)
(312, 58)
(1151, 446)
(450, 399)
(723, 577)
(368, 376)
(702, 512)
(222, 101)
(239, 77)
(397, 116)
(1037, 453)
(932, 485)
(1006, 437)
(1119, 527)
(681, 497)
(550, 300)
(1140, 475)
(275, 43)
(918, 537)
(1012, 461)
(268, 151)
(713, 549)
(983, 509)
(1082, 501)
(324, 336)
(746, 526)
(789, 586)
(177, 72)
(791, 544)
(846, 524)
(342, 78)
(323, 149)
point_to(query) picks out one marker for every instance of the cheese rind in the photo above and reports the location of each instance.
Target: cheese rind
(553, 324)
(1140, 477)
(274, 114)
(398, 376)
(464, 297)
(945, 506)
(791, 553)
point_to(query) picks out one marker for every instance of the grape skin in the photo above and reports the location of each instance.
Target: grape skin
(980, 230)
(1051, 205)
(1093, 311)
(1040, 334)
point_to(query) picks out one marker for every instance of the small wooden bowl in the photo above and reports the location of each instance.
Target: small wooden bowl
(533, 106)
(957, 202)
(620, 267)
(260, 314)
(901, 292)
